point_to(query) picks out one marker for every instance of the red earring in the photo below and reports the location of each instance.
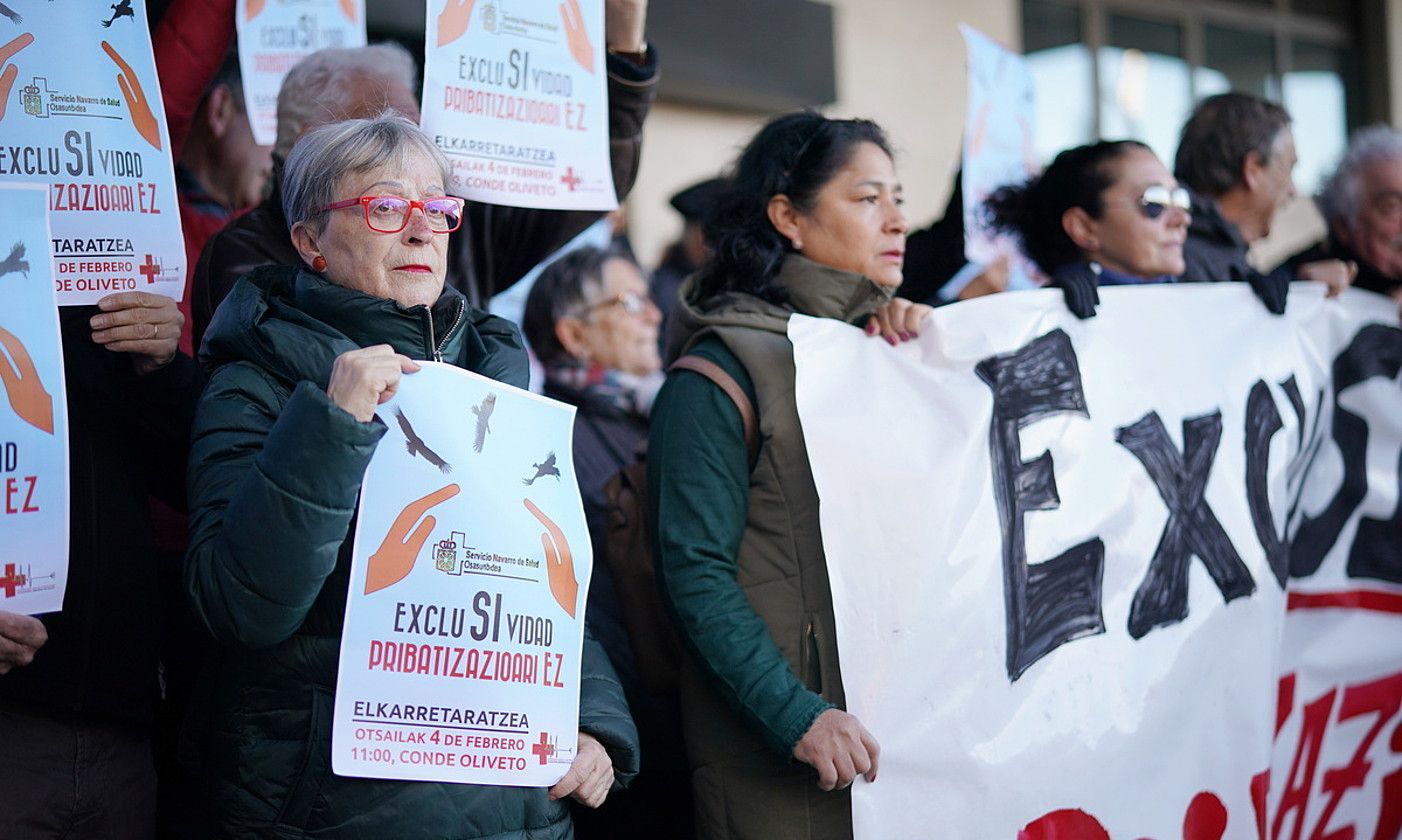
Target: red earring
(318, 264)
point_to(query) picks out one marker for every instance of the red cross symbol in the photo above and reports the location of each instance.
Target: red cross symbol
(13, 580)
(544, 749)
(570, 179)
(150, 269)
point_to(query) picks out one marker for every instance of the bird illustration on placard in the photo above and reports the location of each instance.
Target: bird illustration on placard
(416, 445)
(484, 416)
(15, 262)
(119, 10)
(546, 467)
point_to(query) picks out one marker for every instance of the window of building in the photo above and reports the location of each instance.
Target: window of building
(1134, 68)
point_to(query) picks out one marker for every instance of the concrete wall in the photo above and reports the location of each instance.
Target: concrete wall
(1392, 11)
(899, 62)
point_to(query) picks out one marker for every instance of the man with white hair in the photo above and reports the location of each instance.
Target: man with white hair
(497, 245)
(1362, 204)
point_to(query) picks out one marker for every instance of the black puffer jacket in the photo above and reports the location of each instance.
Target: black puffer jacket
(275, 469)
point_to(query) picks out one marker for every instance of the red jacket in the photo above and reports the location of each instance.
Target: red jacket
(190, 44)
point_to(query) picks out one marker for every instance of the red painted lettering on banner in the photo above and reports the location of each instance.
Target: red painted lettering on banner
(1375, 705)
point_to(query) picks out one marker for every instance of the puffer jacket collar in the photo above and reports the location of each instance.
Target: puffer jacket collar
(293, 324)
(813, 289)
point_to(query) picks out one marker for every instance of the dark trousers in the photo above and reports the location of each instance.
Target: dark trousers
(73, 780)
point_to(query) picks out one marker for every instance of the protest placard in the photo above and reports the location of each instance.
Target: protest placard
(273, 37)
(515, 94)
(85, 119)
(34, 418)
(999, 148)
(460, 658)
(1165, 599)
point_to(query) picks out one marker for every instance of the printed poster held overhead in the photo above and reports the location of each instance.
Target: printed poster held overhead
(999, 149)
(515, 94)
(80, 111)
(273, 37)
(460, 657)
(34, 414)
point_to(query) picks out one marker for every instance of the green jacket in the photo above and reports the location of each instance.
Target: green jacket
(741, 559)
(275, 471)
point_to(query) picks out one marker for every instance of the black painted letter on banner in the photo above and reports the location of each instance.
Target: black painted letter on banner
(1262, 422)
(1377, 548)
(1052, 602)
(1192, 528)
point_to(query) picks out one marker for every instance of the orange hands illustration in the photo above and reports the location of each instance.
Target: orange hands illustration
(253, 9)
(559, 564)
(453, 20)
(395, 559)
(27, 395)
(580, 47)
(7, 78)
(137, 104)
(348, 9)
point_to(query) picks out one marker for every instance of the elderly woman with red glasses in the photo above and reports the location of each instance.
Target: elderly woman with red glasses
(299, 357)
(1105, 214)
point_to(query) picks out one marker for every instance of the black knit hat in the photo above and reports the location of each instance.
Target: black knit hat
(696, 201)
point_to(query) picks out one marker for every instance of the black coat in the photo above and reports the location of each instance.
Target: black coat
(1332, 249)
(1214, 250)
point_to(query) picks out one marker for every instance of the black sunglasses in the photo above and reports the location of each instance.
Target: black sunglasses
(1158, 198)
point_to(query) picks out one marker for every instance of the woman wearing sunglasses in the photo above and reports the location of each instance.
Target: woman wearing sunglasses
(300, 356)
(1105, 214)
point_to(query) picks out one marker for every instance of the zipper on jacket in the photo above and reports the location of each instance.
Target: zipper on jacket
(448, 333)
(811, 670)
(431, 347)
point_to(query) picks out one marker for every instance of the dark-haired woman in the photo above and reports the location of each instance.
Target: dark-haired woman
(1105, 214)
(811, 224)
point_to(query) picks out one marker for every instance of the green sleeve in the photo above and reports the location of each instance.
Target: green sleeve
(272, 492)
(698, 487)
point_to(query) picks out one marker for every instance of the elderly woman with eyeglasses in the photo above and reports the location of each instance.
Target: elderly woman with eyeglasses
(1106, 214)
(299, 357)
(593, 325)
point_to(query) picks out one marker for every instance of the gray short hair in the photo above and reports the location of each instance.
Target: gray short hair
(1338, 199)
(327, 154)
(326, 85)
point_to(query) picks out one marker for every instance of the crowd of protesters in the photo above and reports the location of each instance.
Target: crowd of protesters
(185, 690)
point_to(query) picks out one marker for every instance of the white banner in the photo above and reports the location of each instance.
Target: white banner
(1096, 578)
(81, 113)
(516, 95)
(273, 37)
(34, 418)
(460, 658)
